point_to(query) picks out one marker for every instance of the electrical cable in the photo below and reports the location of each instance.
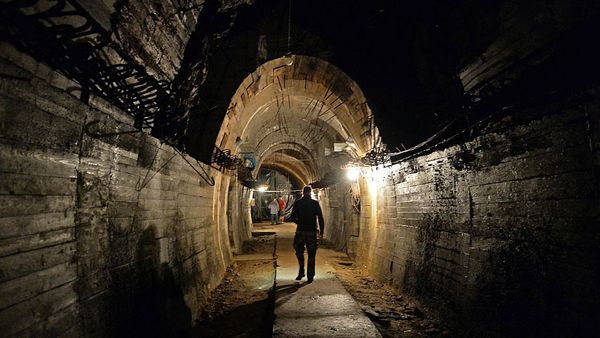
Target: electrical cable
(446, 140)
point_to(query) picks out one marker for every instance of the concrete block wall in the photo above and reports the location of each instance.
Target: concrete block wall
(499, 235)
(341, 226)
(239, 215)
(97, 232)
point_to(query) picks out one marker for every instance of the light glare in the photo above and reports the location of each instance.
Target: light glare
(353, 173)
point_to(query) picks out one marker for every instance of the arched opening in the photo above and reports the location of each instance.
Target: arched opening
(306, 100)
(300, 116)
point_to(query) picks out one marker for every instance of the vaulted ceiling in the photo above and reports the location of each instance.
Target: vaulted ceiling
(420, 64)
(292, 109)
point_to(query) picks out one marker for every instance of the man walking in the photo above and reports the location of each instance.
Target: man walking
(305, 213)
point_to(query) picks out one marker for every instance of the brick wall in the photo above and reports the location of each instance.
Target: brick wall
(499, 235)
(98, 232)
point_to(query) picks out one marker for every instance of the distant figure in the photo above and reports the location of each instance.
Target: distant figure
(305, 213)
(274, 210)
(281, 209)
(253, 211)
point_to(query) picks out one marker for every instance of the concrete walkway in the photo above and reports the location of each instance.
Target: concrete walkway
(321, 309)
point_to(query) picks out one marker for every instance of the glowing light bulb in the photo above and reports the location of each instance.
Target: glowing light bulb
(263, 188)
(353, 173)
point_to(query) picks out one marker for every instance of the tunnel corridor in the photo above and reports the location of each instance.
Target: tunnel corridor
(453, 148)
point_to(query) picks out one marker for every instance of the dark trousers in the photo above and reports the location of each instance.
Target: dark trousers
(308, 239)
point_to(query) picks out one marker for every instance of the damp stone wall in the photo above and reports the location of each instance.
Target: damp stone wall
(498, 235)
(98, 230)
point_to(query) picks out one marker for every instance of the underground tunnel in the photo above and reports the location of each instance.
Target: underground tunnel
(152, 154)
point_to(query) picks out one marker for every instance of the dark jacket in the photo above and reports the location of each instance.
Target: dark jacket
(305, 213)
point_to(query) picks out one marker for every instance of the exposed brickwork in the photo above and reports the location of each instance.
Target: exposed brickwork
(498, 234)
(97, 231)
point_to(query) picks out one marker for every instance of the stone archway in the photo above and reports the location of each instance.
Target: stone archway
(298, 100)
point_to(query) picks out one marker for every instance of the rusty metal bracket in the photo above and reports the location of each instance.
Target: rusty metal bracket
(146, 180)
(79, 51)
(204, 175)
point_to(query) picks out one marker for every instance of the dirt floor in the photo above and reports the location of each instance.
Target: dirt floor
(393, 314)
(242, 306)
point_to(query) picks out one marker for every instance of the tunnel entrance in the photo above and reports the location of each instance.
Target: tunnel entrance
(297, 120)
(276, 184)
(297, 117)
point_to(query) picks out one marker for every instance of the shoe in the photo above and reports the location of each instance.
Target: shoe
(300, 276)
(310, 280)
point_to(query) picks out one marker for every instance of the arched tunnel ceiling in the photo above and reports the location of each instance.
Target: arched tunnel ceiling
(296, 107)
(404, 55)
(407, 56)
(297, 115)
(296, 167)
